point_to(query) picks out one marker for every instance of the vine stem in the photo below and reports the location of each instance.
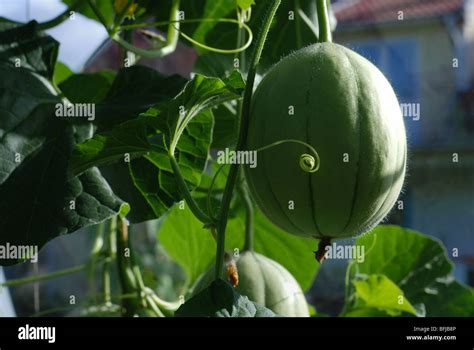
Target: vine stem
(99, 15)
(244, 122)
(126, 276)
(184, 190)
(210, 191)
(128, 55)
(249, 215)
(110, 254)
(106, 282)
(95, 253)
(171, 38)
(46, 276)
(61, 17)
(325, 35)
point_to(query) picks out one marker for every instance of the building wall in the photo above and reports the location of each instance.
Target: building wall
(442, 203)
(442, 122)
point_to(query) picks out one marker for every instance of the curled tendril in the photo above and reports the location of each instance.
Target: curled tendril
(308, 162)
(218, 50)
(195, 42)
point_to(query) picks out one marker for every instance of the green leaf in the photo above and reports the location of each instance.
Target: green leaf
(220, 300)
(289, 34)
(61, 73)
(166, 119)
(418, 265)
(39, 201)
(199, 94)
(87, 87)
(153, 176)
(244, 4)
(379, 292)
(143, 86)
(105, 7)
(155, 132)
(130, 138)
(118, 176)
(448, 297)
(160, 11)
(133, 91)
(213, 9)
(25, 46)
(296, 254)
(214, 64)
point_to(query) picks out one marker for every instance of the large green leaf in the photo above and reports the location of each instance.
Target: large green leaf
(153, 175)
(24, 46)
(226, 127)
(61, 73)
(87, 87)
(131, 137)
(199, 94)
(296, 254)
(221, 300)
(194, 248)
(245, 4)
(39, 200)
(418, 265)
(132, 92)
(380, 293)
(151, 135)
(105, 7)
(119, 178)
(168, 119)
(214, 10)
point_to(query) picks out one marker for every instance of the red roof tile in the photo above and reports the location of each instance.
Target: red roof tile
(376, 11)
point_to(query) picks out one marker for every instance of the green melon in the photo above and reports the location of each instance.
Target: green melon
(346, 109)
(265, 282)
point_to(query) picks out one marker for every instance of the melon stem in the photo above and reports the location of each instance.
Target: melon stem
(321, 252)
(325, 35)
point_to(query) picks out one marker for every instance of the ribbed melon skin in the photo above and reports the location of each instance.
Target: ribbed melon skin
(265, 282)
(343, 106)
(268, 283)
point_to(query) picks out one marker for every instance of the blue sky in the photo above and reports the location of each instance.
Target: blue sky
(79, 38)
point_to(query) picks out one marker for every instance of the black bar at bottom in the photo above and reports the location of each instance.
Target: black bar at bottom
(449, 333)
